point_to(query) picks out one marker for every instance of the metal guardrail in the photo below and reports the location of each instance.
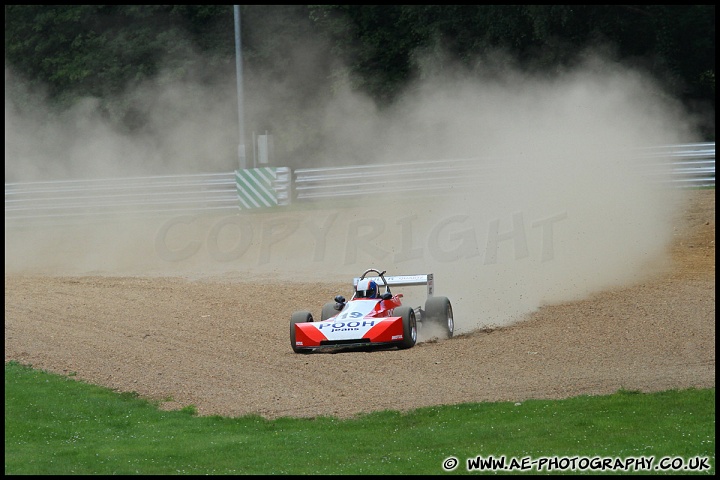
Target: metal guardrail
(691, 165)
(70, 199)
(415, 177)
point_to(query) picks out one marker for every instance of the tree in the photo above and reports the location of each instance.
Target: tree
(101, 50)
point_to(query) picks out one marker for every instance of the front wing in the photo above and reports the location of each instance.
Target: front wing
(355, 333)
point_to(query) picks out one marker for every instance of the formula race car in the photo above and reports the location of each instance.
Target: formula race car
(373, 317)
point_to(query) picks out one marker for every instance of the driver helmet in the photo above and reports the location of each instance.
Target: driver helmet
(367, 289)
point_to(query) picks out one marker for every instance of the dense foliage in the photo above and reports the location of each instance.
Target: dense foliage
(74, 51)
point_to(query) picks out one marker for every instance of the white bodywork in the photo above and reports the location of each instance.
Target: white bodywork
(351, 322)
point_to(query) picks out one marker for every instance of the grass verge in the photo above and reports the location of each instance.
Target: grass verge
(58, 425)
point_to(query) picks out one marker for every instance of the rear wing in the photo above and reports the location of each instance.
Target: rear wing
(404, 280)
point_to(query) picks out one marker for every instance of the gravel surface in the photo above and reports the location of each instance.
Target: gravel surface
(224, 347)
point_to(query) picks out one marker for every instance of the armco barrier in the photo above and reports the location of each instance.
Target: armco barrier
(692, 165)
(68, 200)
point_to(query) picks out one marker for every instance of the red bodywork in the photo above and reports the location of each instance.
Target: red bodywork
(357, 324)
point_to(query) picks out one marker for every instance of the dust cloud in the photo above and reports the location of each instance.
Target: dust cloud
(185, 131)
(563, 209)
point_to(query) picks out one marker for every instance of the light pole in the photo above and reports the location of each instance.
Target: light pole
(238, 66)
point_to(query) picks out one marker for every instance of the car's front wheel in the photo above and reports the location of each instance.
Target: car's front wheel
(298, 317)
(409, 323)
(328, 310)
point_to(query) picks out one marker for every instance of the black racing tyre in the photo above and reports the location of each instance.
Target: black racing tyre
(409, 323)
(298, 317)
(439, 311)
(328, 310)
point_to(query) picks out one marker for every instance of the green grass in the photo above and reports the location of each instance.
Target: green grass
(58, 425)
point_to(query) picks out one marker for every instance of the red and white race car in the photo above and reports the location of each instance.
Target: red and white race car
(373, 317)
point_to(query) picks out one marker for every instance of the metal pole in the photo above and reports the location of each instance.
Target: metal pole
(238, 66)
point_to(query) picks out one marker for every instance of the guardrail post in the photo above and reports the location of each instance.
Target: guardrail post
(283, 185)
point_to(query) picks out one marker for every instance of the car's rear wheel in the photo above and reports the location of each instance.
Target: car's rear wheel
(298, 317)
(438, 310)
(409, 323)
(328, 310)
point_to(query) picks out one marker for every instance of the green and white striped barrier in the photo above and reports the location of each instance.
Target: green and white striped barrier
(263, 187)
